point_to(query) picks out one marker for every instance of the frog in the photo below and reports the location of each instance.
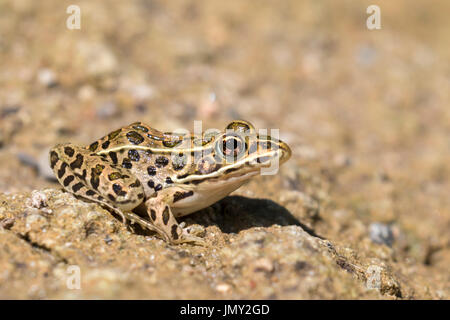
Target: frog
(166, 175)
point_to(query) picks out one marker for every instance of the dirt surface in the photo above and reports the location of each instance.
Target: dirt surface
(360, 211)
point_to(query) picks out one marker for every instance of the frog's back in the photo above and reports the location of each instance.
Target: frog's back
(136, 134)
(146, 152)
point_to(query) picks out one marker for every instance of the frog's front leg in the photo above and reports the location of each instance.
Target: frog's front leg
(161, 216)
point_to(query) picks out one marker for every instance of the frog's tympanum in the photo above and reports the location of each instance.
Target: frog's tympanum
(170, 174)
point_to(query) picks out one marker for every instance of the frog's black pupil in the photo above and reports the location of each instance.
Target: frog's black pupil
(231, 146)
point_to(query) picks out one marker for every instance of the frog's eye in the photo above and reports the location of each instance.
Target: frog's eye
(231, 146)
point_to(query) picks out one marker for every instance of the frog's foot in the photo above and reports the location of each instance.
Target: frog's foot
(194, 230)
(167, 226)
(190, 235)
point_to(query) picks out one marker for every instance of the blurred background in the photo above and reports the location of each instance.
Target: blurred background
(366, 112)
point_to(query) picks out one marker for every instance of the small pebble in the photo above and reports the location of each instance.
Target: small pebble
(223, 288)
(263, 264)
(381, 233)
(108, 239)
(38, 199)
(47, 77)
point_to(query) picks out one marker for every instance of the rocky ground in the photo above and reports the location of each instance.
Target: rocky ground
(361, 211)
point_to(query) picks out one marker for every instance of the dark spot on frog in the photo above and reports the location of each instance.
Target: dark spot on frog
(140, 128)
(151, 184)
(113, 157)
(114, 176)
(158, 187)
(182, 176)
(151, 171)
(133, 155)
(117, 188)
(53, 159)
(171, 141)
(169, 180)
(77, 163)
(98, 169)
(77, 187)
(153, 214)
(174, 232)
(69, 151)
(165, 215)
(62, 170)
(161, 162)
(68, 180)
(126, 163)
(105, 144)
(114, 134)
(134, 137)
(95, 180)
(93, 146)
(153, 137)
(181, 195)
(135, 184)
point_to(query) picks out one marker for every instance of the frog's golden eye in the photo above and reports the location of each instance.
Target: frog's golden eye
(231, 146)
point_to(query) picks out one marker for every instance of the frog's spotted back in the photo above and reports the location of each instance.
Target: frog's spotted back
(173, 174)
(136, 134)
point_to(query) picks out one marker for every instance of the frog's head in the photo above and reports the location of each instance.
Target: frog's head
(229, 158)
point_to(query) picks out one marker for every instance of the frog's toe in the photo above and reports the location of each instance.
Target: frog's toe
(195, 230)
(191, 234)
(189, 238)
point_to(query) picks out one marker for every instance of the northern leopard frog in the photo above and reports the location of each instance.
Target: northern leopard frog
(170, 174)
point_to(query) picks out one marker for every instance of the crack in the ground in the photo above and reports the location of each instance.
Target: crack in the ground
(37, 246)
